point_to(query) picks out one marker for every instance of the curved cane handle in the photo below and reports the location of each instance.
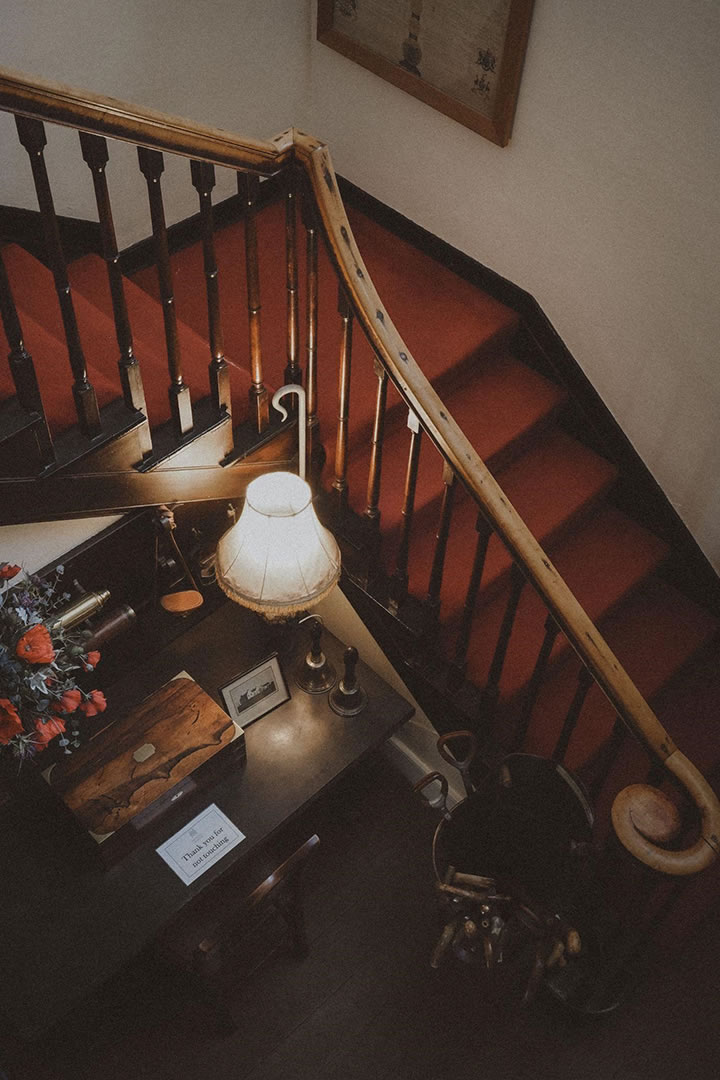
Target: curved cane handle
(462, 764)
(690, 860)
(294, 388)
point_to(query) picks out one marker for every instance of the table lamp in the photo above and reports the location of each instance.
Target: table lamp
(277, 559)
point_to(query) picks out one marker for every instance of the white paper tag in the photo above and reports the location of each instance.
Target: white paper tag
(200, 843)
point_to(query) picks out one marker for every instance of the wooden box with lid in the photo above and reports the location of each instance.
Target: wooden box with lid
(133, 772)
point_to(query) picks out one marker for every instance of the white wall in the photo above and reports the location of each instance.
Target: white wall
(242, 66)
(604, 206)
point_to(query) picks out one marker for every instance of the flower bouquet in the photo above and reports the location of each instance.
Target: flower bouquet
(41, 663)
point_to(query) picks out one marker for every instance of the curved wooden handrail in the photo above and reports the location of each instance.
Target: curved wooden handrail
(580, 631)
(79, 109)
(105, 116)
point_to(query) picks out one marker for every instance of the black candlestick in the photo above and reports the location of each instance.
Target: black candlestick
(315, 674)
(348, 698)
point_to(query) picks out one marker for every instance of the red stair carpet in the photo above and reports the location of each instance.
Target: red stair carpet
(463, 339)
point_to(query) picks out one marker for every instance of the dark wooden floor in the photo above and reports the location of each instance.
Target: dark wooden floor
(365, 1004)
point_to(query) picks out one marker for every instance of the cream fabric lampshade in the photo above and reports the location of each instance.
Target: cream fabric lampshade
(277, 558)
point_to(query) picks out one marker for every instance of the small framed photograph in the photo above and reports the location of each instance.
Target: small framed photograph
(255, 692)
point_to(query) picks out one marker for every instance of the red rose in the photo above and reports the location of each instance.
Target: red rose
(68, 702)
(35, 646)
(47, 730)
(91, 660)
(95, 703)
(7, 571)
(10, 722)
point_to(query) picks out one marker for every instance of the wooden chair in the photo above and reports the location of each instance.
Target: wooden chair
(224, 936)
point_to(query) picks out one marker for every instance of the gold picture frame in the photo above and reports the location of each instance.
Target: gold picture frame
(462, 57)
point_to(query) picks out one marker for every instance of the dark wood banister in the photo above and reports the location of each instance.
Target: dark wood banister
(105, 116)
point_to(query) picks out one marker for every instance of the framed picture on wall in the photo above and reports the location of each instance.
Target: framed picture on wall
(255, 692)
(463, 57)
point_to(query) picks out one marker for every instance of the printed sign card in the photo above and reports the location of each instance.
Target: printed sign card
(200, 843)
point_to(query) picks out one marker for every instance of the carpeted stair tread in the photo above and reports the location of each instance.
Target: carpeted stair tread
(52, 368)
(191, 296)
(35, 295)
(498, 408)
(603, 561)
(690, 710)
(88, 278)
(556, 480)
(438, 313)
(446, 322)
(653, 635)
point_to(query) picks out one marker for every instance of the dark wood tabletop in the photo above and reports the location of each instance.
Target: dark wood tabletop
(68, 922)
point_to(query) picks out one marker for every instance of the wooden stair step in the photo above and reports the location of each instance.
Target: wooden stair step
(52, 368)
(549, 485)
(88, 277)
(653, 635)
(603, 561)
(19, 433)
(498, 409)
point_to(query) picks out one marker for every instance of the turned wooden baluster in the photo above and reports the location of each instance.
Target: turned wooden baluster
(491, 693)
(551, 632)
(441, 538)
(22, 368)
(484, 533)
(372, 509)
(95, 155)
(152, 166)
(32, 137)
(292, 369)
(399, 578)
(585, 681)
(203, 179)
(340, 485)
(311, 234)
(259, 405)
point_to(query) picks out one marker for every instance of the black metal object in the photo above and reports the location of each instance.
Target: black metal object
(348, 698)
(315, 675)
(514, 865)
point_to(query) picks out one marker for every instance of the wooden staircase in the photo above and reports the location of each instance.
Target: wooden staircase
(444, 582)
